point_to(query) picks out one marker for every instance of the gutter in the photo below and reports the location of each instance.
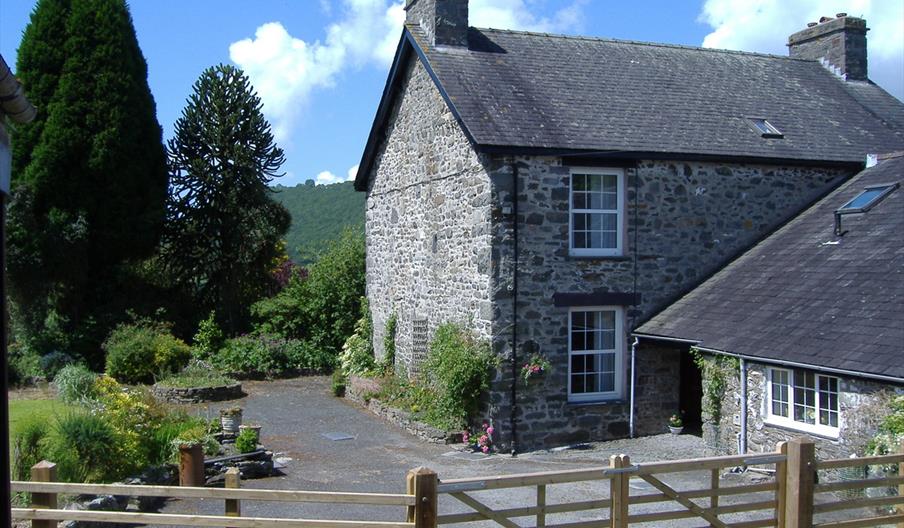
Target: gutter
(13, 102)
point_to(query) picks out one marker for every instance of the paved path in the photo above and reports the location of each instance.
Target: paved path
(297, 413)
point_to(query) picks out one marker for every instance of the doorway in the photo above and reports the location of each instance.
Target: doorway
(691, 394)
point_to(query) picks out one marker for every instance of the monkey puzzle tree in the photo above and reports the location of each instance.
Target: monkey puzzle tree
(223, 227)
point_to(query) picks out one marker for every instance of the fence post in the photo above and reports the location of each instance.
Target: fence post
(191, 465)
(44, 471)
(421, 482)
(900, 507)
(618, 491)
(801, 472)
(233, 481)
(781, 483)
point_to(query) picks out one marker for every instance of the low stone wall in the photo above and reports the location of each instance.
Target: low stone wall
(199, 394)
(359, 390)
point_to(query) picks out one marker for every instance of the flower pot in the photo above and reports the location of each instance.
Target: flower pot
(676, 430)
(231, 422)
(256, 429)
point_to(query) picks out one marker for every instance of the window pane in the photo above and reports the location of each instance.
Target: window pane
(610, 183)
(577, 383)
(608, 221)
(580, 239)
(606, 320)
(610, 201)
(578, 320)
(595, 200)
(592, 383)
(580, 221)
(595, 239)
(579, 181)
(590, 342)
(608, 362)
(607, 382)
(580, 200)
(608, 340)
(592, 362)
(595, 182)
(578, 341)
(609, 240)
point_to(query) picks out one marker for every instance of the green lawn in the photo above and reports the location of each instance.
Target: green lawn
(23, 411)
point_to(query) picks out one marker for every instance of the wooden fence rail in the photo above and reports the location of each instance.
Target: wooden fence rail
(787, 501)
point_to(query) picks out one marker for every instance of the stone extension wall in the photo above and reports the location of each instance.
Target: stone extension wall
(684, 221)
(862, 405)
(427, 222)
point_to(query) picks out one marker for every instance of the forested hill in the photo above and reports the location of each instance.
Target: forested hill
(319, 214)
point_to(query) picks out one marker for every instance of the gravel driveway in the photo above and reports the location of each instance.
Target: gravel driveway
(297, 413)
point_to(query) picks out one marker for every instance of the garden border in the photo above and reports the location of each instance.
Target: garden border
(232, 391)
(357, 390)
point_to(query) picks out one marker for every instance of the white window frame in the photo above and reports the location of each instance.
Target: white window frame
(789, 421)
(619, 356)
(618, 250)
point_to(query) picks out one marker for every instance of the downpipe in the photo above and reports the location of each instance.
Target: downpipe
(633, 380)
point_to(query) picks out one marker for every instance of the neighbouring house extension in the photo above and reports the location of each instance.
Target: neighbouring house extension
(553, 193)
(814, 315)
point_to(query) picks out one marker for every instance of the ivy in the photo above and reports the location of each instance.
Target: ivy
(389, 342)
(715, 371)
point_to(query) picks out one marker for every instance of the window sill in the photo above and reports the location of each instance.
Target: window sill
(803, 428)
(597, 403)
(599, 257)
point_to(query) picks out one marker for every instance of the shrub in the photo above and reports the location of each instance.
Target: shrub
(180, 429)
(891, 429)
(270, 356)
(246, 441)
(198, 434)
(137, 352)
(24, 364)
(209, 338)
(75, 383)
(323, 308)
(134, 415)
(84, 448)
(357, 357)
(338, 383)
(52, 363)
(28, 448)
(458, 368)
(389, 342)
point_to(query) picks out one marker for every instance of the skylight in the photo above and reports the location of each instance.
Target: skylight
(863, 202)
(765, 128)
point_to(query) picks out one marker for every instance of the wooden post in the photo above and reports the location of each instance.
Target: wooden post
(422, 482)
(781, 490)
(541, 506)
(191, 465)
(801, 479)
(900, 507)
(618, 491)
(714, 485)
(233, 481)
(44, 471)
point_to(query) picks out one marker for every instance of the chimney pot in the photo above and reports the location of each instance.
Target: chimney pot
(840, 15)
(824, 19)
(811, 24)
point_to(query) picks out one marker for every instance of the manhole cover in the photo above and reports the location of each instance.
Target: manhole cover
(336, 436)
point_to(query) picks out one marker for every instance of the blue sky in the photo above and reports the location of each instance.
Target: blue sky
(320, 65)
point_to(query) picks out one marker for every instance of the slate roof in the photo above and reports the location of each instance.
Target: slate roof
(571, 94)
(804, 295)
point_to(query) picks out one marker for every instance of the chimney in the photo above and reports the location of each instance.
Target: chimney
(838, 42)
(444, 21)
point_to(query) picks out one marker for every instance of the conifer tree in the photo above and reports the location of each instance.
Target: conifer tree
(223, 228)
(90, 191)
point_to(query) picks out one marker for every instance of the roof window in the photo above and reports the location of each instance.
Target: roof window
(863, 202)
(765, 128)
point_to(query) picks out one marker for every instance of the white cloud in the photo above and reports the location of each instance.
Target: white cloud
(764, 26)
(286, 70)
(327, 177)
(515, 14)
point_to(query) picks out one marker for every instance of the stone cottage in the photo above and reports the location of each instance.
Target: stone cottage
(554, 193)
(813, 317)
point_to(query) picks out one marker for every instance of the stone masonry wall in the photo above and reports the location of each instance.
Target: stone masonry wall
(862, 404)
(684, 220)
(427, 222)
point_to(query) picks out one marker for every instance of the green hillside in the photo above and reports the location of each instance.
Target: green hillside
(319, 214)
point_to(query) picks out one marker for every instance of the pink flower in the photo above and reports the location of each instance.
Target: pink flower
(465, 436)
(485, 449)
(485, 425)
(483, 440)
(491, 430)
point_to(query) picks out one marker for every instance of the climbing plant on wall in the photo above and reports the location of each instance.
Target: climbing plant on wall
(715, 370)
